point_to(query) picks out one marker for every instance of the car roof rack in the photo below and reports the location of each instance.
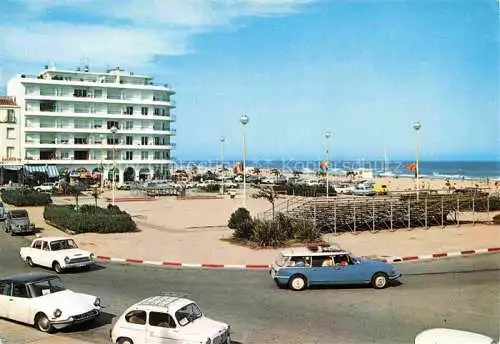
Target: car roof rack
(326, 247)
(161, 301)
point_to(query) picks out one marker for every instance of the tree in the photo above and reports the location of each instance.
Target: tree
(76, 190)
(268, 194)
(256, 170)
(96, 192)
(276, 173)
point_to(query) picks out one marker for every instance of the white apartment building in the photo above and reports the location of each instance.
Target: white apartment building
(78, 119)
(10, 149)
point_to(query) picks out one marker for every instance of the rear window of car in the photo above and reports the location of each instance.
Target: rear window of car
(19, 214)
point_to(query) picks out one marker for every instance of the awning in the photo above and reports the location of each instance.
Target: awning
(11, 167)
(51, 170)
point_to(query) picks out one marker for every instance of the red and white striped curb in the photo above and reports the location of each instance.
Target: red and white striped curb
(387, 259)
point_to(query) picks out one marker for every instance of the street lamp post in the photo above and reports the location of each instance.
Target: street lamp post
(222, 139)
(101, 167)
(417, 127)
(327, 137)
(113, 185)
(244, 119)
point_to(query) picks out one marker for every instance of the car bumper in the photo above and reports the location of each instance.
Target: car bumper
(78, 265)
(393, 277)
(76, 319)
(19, 230)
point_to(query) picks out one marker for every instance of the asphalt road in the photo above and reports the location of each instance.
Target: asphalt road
(459, 293)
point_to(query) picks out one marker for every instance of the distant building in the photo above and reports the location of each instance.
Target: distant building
(78, 120)
(10, 124)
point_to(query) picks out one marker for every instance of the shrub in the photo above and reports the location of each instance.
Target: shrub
(238, 217)
(89, 219)
(23, 197)
(496, 219)
(304, 190)
(211, 188)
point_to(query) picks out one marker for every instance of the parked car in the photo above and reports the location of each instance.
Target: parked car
(18, 222)
(449, 336)
(168, 318)
(329, 265)
(58, 253)
(2, 212)
(45, 187)
(364, 189)
(381, 188)
(40, 299)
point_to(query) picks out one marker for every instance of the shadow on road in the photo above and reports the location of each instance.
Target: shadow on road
(103, 320)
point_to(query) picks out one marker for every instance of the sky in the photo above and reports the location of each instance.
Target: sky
(363, 70)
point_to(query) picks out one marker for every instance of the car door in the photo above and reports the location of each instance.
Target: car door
(134, 326)
(45, 254)
(35, 252)
(162, 329)
(5, 291)
(20, 303)
(344, 271)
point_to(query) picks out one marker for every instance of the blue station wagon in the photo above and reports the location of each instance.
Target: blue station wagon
(329, 265)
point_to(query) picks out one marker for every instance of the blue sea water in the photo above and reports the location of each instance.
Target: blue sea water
(431, 169)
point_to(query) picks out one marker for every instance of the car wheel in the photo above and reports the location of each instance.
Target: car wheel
(29, 262)
(42, 323)
(57, 267)
(124, 341)
(297, 282)
(379, 280)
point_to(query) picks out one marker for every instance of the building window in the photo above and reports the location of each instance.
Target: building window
(129, 155)
(128, 140)
(80, 92)
(10, 152)
(109, 155)
(144, 111)
(81, 141)
(48, 106)
(166, 155)
(144, 155)
(97, 124)
(129, 110)
(11, 117)
(157, 111)
(11, 133)
(111, 141)
(129, 125)
(144, 140)
(157, 155)
(113, 124)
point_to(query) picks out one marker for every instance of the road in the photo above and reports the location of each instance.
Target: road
(459, 293)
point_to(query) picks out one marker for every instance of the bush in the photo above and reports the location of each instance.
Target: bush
(211, 188)
(25, 197)
(89, 219)
(240, 216)
(304, 190)
(496, 219)
(271, 233)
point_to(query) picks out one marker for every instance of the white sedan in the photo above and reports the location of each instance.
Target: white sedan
(40, 299)
(449, 336)
(58, 253)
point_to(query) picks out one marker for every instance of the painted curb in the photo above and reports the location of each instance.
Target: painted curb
(386, 259)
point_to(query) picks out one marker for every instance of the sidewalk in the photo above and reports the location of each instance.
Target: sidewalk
(190, 231)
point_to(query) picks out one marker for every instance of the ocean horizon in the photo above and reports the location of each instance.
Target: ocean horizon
(427, 169)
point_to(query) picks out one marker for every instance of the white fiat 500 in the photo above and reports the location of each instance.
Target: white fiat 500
(169, 318)
(58, 253)
(450, 336)
(40, 299)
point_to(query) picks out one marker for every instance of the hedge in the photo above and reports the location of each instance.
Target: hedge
(23, 197)
(304, 190)
(89, 219)
(496, 219)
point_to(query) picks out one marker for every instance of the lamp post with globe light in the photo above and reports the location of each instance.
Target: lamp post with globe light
(417, 127)
(244, 119)
(327, 139)
(113, 185)
(222, 139)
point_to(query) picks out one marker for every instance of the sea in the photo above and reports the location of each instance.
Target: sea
(427, 169)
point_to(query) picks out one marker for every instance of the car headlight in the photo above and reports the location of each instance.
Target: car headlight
(97, 302)
(66, 260)
(92, 256)
(57, 313)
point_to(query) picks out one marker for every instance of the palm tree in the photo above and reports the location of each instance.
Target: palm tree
(276, 173)
(269, 194)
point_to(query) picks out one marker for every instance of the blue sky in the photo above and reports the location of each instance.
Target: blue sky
(364, 70)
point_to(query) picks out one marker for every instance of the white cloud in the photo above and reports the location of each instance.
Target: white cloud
(130, 33)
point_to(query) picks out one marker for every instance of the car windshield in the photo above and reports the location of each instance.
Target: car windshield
(187, 314)
(62, 245)
(18, 214)
(45, 287)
